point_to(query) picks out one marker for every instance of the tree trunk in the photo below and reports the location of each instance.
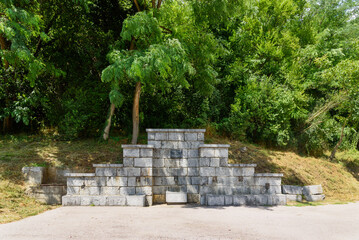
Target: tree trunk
(106, 131)
(332, 155)
(136, 113)
(4, 46)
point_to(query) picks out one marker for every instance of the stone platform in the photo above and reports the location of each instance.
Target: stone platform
(174, 160)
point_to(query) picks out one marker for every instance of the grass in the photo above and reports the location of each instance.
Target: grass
(340, 179)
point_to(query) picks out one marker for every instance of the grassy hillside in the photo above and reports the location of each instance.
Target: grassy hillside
(340, 179)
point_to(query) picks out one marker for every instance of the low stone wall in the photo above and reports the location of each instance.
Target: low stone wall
(175, 160)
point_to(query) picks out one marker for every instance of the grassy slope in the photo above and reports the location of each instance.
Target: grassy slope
(339, 183)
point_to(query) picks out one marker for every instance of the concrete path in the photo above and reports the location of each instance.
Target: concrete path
(189, 222)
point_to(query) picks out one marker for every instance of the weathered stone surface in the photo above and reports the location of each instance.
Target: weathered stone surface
(90, 191)
(136, 200)
(223, 162)
(200, 137)
(228, 200)
(224, 171)
(146, 181)
(192, 189)
(116, 181)
(214, 162)
(33, 175)
(128, 162)
(195, 180)
(110, 191)
(207, 152)
(190, 136)
(273, 189)
(176, 197)
(193, 153)
(144, 190)
(176, 163)
(159, 198)
(158, 162)
(131, 182)
(207, 171)
(215, 200)
(156, 144)
(73, 190)
(271, 180)
(315, 198)
(95, 181)
(159, 190)
(294, 197)
(239, 200)
(193, 171)
(132, 172)
(193, 198)
(291, 189)
(146, 152)
(106, 172)
(312, 190)
(71, 200)
(131, 152)
(127, 190)
(146, 172)
(161, 136)
(143, 162)
(193, 162)
(176, 136)
(204, 162)
(116, 200)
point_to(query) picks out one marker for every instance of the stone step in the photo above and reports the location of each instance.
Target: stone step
(250, 200)
(104, 200)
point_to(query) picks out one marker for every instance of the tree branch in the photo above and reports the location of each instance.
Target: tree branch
(168, 30)
(137, 6)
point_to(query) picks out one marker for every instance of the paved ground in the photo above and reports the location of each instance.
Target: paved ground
(189, 222)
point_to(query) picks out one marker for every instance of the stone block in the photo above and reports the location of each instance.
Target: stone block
(116, 200)
(192, 189)
(203, 200)
(248, 171)
(169, 145)
(133, 172)
(195, 180)
(127, 190)
(71, 200)
(207, 152)
(204, 162)
(146, 152)
(93, 191)
(94, 200)
(178, 171)
(228, 200)
(224, 172)
(273, 189)
(176, 163)
(116, 181)
(237, 172)
(111, 191)
(159, 190)
(291, 189)
(159, 198)
(143, 162)
(294, 197)
(131, 152)
(241, 190)
(314, 198)
(184, 180)
(193, 162)
(158, 162)
(149, 201)
(223, 162)
(229, 181)
(312, 190)
(106, 172)
(176, 197)
(193, 198)
(136, 200)
(95, 181)
(73, 190)
(161, 136)
(176, 136)
(146, 181)
(151, 136)
(144, 190)
(193, 171)
(221, 153)
(128, 162)
(200, 136)
(193, 153)
(75, 181)
(155, 144)
(190, 136)
(214, 162)
(207, 171)
(131, 182)
(239, 200)
(215, 200)
(146, 172)
(193, 144)
(264, 180)
(160, 181)
(33, 175)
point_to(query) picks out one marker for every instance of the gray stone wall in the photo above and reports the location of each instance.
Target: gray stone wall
(174, 161)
